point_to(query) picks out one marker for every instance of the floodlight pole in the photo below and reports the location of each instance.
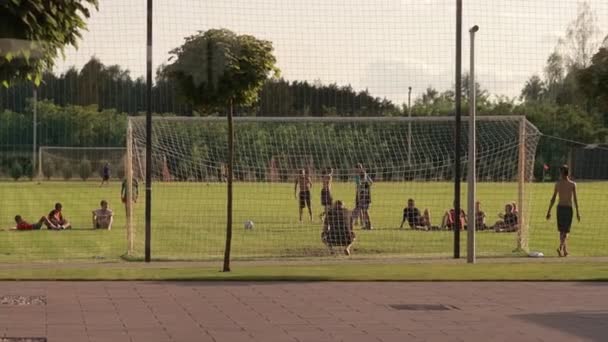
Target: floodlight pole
(409, 126)
(458, 96)
(148, 210)
(472, 171)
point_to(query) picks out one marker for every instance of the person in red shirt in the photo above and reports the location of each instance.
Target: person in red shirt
(56, 219)
(23, 225)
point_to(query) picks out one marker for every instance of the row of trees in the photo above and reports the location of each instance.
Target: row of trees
(112, 87)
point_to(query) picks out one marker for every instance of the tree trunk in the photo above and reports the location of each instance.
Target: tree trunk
(229, 172)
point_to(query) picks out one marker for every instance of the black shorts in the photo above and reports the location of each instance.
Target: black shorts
(564, 218)
(304, 199)
(326, 197)
(37, 225)
(106, 177)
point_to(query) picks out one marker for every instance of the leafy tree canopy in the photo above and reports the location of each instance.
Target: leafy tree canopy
(218, 67)
(33, 32)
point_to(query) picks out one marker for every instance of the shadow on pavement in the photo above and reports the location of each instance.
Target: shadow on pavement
(591, 325)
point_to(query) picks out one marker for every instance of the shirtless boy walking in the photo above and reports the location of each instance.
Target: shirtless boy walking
(566, 189)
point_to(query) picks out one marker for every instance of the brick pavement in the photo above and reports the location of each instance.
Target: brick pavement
(315, 311)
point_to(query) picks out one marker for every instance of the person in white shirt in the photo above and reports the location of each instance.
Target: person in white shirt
(103, 217)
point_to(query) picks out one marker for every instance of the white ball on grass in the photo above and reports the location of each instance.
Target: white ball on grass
(249, 224)
(536, 254)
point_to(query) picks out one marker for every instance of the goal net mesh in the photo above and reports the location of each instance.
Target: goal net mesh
(189, 165)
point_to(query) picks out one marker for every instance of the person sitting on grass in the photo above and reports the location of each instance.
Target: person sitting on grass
(23, 225)
(103, 217)
(338, 228)
(56, 219)
(508, 222)
(411, 214)
(449, 219)
(480, 217)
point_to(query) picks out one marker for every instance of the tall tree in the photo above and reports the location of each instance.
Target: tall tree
(33, 32)
(533, 90)
(217, 69)
(582, 37)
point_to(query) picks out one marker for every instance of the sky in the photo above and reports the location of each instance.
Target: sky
(384, 46)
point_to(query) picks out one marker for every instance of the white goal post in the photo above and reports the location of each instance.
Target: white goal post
(269, 151)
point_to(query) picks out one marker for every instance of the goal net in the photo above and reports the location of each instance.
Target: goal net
(188, 171)
(83, 163)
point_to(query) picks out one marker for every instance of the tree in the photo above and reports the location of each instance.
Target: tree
(593, 81)
(582, 37)
(16, 170)
(33, 32)
(533, 90)
(219, 69)
(554, 73)
(85, 169)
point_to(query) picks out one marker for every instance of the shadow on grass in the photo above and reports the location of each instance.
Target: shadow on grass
(590, 325)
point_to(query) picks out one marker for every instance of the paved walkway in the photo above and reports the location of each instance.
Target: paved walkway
(318, 311)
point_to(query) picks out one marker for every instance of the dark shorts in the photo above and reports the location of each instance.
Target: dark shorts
(325, 197)
(106, 177)
(304, 199)
(37, 225)
(363, 205)
(564, 218)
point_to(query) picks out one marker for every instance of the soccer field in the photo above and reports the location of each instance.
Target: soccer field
(188, 221)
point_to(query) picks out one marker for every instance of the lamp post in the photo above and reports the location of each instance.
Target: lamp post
(472, 214)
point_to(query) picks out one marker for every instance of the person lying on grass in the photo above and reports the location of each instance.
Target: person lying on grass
(508, 222)
(24, 225)
(57, 220)
(103, 217)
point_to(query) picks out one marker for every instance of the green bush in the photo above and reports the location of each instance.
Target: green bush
(16, 170)
(48, 168)
(67, 171)
(85, 169)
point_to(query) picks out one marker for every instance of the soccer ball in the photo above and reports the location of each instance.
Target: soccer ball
(536, 254)
(248, 224)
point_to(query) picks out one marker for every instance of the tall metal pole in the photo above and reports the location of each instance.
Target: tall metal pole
(472, 171)
(409, 126)
(35, 119)
(148, 210)
(457, 130)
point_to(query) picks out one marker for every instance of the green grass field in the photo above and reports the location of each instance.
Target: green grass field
(188, 221)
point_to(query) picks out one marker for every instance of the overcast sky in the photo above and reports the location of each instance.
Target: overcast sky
(382, 45)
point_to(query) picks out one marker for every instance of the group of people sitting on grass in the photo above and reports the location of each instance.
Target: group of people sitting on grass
(102, 218)
(507, 221)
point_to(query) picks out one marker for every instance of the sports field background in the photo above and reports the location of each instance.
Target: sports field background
(188, 221)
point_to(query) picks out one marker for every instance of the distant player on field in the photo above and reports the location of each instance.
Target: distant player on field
(105, 174)
(364, 198)
(103, 217)
(326, 199)
(566, 189)
(304, 183)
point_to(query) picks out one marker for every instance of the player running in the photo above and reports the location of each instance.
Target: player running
(105, 175)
